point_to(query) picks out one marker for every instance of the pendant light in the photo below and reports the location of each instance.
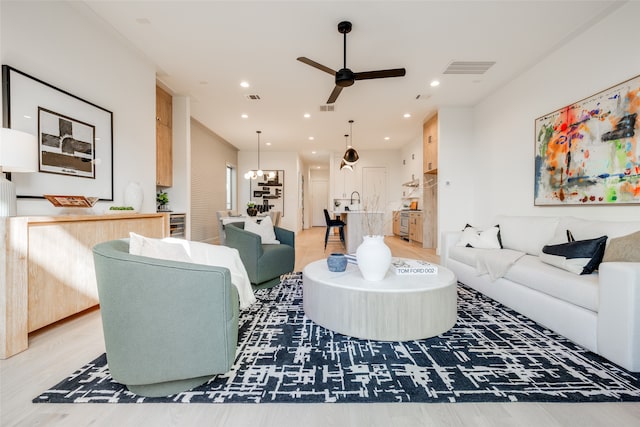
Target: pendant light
(343, 165)
(254, 174)
(351, 155)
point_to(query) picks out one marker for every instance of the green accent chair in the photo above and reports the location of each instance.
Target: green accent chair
(168, 326)
(264, 263)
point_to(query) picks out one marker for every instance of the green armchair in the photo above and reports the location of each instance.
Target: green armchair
(168, 326)
(264, 263)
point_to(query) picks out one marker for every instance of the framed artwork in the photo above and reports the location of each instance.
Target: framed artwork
(75, 138)
(268, 191)
(588, 153)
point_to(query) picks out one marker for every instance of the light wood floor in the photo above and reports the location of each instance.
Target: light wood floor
(57, 351)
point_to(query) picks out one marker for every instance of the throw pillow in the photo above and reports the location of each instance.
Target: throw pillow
(579, 257)
(264, 230)
(623, 249)
(473, 237)
(168, 249)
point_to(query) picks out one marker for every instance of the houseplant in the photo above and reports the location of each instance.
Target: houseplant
(162, 201)
(251, 209)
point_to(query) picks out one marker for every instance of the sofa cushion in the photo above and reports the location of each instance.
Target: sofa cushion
(579, 256)
(623, 249)
(583, 229)
(582, 290)
(527, 233)
(476, 238)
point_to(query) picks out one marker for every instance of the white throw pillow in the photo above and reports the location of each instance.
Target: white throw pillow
(169, 249)
(483, 239)
(264, 230)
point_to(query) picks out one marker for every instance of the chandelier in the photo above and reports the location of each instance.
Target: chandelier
(255, 174)
(343, 164)
(351, 156)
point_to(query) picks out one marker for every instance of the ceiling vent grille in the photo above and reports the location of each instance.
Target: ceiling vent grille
(253, 97)
(468, 67)
(327, 107)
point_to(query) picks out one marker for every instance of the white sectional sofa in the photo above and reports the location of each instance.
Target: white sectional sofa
(598, 311)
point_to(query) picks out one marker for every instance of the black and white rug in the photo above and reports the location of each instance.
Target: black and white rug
(492, 354)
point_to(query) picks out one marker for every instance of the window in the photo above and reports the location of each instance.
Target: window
(231, 185)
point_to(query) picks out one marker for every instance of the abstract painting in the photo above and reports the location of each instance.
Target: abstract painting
(75, 138)
(587, 153)
(267, 191)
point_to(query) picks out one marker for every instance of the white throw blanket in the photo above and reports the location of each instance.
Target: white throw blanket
(496, 262)
(223, 256)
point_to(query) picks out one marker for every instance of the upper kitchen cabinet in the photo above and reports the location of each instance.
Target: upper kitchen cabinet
(164, 142)
(430, 141)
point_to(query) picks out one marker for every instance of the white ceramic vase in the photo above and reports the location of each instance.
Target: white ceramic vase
(133, 196)
(374, 258)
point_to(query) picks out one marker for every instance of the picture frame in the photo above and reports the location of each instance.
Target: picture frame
(587, 153)
(269, 192)
(75, 138)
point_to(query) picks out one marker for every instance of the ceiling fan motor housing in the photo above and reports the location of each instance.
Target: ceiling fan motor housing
(345, 77)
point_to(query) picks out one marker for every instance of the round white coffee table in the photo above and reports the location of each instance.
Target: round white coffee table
(397, 308)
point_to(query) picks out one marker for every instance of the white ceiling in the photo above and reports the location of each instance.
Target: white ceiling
(204, 49)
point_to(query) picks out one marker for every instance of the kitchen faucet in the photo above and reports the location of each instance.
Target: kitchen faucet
(355, 192)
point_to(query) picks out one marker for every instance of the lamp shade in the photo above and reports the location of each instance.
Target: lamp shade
(351, 156)
(18, 151)
(343, 165)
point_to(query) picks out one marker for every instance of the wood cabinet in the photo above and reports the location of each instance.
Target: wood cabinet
(47, 270)
(416, 227)
(430, 145)
(396, 223)
(164, 139)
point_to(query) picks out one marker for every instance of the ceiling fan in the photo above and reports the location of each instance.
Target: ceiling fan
(345, 77)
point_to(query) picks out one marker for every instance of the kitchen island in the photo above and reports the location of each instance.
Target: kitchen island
(356, 226)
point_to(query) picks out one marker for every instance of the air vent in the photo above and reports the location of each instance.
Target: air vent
(253, 97)
(327, 107)
(468, 67)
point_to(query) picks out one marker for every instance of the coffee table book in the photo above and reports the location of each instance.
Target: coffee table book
(407, 267)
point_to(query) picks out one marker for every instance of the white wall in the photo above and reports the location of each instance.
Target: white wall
(53, 41)
(601, 57)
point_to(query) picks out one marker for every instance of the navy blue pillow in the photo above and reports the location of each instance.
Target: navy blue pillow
(592, 249)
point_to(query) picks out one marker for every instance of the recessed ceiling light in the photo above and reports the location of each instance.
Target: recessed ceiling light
(317, 167)
(245, 116)
(386, 138)
(313, 152)
(406, 115)
(267, 143)
(435, 83)
(311, 138)
(307, 115)
(244, 84)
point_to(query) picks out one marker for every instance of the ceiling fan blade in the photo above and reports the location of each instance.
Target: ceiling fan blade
(334, 94)
(380, 74)
(314, 64)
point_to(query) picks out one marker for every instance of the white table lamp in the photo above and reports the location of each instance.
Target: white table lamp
(18, 153)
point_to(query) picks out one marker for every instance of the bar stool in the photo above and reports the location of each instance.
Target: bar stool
(330, 224)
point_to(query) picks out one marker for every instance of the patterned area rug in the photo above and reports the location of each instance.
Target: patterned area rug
(492, 354)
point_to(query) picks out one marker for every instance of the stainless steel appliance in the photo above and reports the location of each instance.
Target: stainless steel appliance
(404, 225)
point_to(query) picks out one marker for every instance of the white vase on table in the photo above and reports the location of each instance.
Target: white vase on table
(374, 258)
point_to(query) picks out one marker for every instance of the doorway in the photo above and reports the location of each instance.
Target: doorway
(319, 197)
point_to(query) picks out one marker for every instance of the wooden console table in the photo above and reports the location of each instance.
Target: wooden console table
(46, 267)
